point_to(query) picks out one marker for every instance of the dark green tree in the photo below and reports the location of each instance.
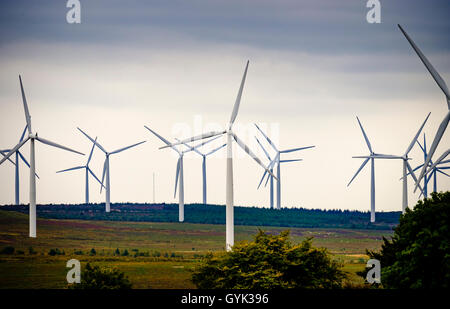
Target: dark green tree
(94, 277)
(418, 254)
(269, 262)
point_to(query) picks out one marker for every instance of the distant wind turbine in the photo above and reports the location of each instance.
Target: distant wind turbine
(16, 164)
(32, 137)
(204, 156)
(229, 242)
(441, 83)
(179, 176)
(278, 162)
(271, 164)
(372, 156)
(106, 168)
(88, 171)
(406, 166)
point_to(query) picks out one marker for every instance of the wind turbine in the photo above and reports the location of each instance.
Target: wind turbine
(204, 156)
(271, 163)
(32, 137)
(179, 176)
(18, 155)
(278, 162)
(441, 83)
(435, 167)
(88, 171)
(106, 167)
(229, 242)
(372, 156)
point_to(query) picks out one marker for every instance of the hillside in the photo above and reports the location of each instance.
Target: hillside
(215, 214)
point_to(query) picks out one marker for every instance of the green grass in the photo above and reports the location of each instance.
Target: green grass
(186, 241)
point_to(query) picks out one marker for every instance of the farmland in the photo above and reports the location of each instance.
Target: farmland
(152, 254)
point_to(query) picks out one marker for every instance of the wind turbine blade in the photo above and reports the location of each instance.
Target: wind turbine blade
(365, 136)
(410, 170)
(26, 162)
(3, 154)
(50, 143)
(443, 173)
(205, 142)
(71, 169)
(190, 148)
(92, 150)
(158, 136)
(296, 149)
(294, 160)
(439, 160)
(17, 147)
(128, 147)
(251, 154)
(437, 139)
(441, 83)
(103, 174)
(270, 167)
(195, 138)
(93, 175)
(420, 145)
(267, 138)
(176, 176)
(416, 136)
(444, 162)
(25, 106)
(359, 170)
(267, 154)
(238, 98)
(23, 133)
(214, 150)
(94, 141)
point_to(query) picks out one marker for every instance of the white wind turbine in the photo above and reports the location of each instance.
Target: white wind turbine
(441, 83)
(88, 171)
(372, 156)
(106, 168)
(278, 162)
(32, 137)
(229, 242)
(407, 169)
(271, 164)
(204, 156)
(179, 173)
(16, 164)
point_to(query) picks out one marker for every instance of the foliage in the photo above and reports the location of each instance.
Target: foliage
(56, 251)
(94, 277)
(7, 250)
(418, 254)
(92, 252)
(270, 261)
(215, 214)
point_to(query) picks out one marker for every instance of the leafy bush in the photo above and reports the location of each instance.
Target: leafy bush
(8, 250)
(92, 252)
(418, 254)
(94, 277)
(270, 261)
(125, 253)
(56, 251)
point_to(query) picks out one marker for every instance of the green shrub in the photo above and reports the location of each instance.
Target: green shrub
(94, 277)
(7, 250)
(270, 261)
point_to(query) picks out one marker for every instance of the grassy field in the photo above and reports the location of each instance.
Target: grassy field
(161, 255)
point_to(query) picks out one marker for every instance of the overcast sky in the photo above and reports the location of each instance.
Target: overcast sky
(176, 66)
